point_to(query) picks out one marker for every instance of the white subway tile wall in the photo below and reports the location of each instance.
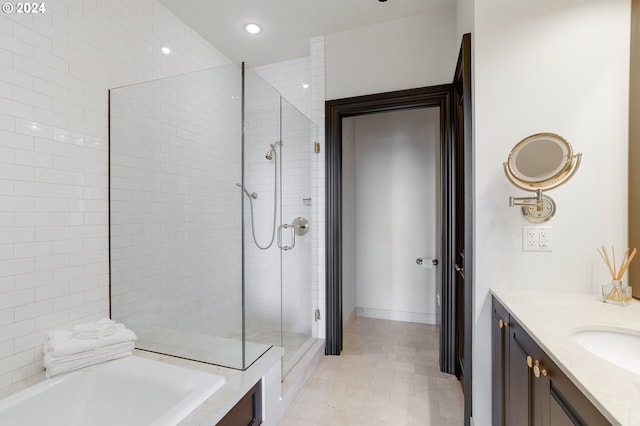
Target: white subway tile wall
(318, 179)
(268, 300)
(299, 296)
(55, 70)
(262, 267)
(176, 255)
(292, 79)
(175, 163)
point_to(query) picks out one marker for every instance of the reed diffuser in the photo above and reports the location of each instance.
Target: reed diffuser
(616, 292)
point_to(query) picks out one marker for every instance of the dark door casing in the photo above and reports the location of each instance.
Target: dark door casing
(454, 102)
(335, 111)
(463, 213)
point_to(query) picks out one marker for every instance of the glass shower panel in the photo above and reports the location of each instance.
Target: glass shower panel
(175, 214)
(205, 197)
(262, 214)
(298, 295)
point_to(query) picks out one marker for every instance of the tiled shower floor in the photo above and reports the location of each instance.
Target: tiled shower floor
(387, 375)
(225, 351)
(200, 347)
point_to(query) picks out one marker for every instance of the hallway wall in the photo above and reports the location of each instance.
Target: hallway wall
(348, 219)
(395, 213)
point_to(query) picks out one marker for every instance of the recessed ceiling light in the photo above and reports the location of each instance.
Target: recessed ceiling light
(166, 50)
(252, 28)
(305, 85)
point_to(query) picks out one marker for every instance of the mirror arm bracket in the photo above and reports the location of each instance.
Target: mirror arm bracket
(527, 201)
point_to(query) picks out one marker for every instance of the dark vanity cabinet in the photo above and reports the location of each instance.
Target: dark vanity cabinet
(528, 388)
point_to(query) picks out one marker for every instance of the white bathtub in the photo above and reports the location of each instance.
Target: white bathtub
(130, 391)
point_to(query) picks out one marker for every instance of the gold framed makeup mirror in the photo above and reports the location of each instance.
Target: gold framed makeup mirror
(538, 163)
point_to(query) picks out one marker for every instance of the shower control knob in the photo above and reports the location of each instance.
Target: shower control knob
(300, 225)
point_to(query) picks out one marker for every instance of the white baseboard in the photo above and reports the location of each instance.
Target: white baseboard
(419, 317)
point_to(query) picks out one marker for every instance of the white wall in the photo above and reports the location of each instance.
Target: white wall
(395, 218)
(404, 53)
(56, 68)
(348, 219)
(558, 66)
(464, 18)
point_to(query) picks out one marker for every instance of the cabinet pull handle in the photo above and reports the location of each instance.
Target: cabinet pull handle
(537, 370)
(503, 324)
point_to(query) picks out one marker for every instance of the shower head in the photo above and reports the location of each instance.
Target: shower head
(271, 152)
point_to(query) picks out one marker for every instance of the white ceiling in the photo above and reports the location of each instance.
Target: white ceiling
(287, 25)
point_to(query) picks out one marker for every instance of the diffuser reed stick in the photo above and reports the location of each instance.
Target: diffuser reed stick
(617, 273)
(624, 267)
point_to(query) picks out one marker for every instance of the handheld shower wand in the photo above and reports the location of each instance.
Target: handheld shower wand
(271, 155)
(253, 195)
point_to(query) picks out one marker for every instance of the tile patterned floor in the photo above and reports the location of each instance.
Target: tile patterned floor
(387, 375)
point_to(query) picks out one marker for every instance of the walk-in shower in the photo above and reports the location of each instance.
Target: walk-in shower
(203, 265)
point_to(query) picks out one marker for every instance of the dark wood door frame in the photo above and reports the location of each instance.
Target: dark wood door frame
(427, 97)
(462, 128)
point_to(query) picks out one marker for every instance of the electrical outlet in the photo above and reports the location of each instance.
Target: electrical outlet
(536, 238)
(543, 234)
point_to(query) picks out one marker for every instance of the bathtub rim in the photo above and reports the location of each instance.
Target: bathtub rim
(205, 385)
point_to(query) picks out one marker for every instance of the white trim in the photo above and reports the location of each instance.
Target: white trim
(419, 317)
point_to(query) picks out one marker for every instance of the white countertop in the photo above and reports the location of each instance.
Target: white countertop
(550, 318)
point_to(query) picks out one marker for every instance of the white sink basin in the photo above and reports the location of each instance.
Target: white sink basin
(619, 347)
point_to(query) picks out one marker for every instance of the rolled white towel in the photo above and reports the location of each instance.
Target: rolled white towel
(102, 328)
(61, 342)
